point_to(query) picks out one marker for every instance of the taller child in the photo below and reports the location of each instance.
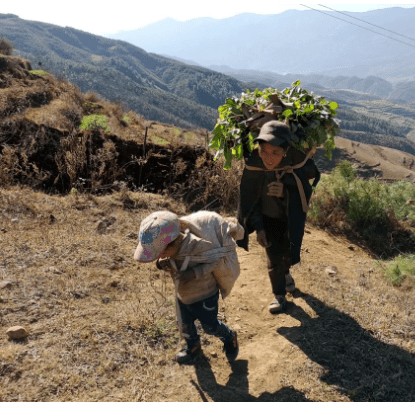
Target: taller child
(274, 196)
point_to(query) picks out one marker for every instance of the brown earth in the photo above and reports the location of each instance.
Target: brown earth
(102, 327)
(341, 338)
(371, 160)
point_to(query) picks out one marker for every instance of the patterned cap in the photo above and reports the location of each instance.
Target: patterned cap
(156, 232)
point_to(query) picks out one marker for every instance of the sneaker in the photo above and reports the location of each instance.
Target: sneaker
(277, 305)
(289, 283)
(231, 348)
(186, 355)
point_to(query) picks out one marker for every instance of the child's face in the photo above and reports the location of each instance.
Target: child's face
(171, 249)
(271, 155)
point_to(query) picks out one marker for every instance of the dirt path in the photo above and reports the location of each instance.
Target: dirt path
(319, 349)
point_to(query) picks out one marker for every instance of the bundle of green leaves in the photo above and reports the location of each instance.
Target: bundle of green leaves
(310, 117)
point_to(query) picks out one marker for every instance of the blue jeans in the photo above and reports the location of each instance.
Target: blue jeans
(206, 311)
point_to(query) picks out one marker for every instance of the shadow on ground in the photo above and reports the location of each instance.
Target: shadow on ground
(355, 363)
(360, 366)
(237, 387)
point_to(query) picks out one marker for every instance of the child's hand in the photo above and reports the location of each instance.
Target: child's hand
(187, 275)
(276, 189)
(261, 237)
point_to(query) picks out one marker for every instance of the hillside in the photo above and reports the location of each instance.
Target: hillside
(294, 41)
(170, 91)
(371, 160)
(154, 86)
(102, 327)
(76, 179)
(54, 137)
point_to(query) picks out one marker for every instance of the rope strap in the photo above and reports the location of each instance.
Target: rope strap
(290, 169)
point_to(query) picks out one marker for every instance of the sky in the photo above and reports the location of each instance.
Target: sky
(103, 18)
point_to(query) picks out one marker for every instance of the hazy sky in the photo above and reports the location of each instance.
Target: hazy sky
(110, 17)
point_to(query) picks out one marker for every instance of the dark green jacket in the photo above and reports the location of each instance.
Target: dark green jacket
(251, 189)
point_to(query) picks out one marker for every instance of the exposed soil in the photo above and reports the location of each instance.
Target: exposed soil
(341, 338)
(102, 327)
(371, 160)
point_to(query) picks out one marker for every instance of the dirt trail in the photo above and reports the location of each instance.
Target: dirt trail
(317, 349)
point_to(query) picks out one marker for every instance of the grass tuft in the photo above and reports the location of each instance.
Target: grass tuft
(38, 72)
(399, 269)
(93, 121)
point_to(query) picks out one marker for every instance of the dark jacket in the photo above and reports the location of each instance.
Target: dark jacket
(251, 190)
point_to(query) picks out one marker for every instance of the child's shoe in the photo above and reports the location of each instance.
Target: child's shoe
(186, 355)
(289, 283)
(231, 348)
(277, 305)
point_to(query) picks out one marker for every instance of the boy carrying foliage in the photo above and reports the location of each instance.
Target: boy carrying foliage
(274, 196)
(199, 251)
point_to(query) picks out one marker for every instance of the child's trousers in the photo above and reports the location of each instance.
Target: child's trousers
(278, 254)
(206, 311)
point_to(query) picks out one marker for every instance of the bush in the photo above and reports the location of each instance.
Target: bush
(368, 209)
(6, 47)
(400, 268)
(95, 121)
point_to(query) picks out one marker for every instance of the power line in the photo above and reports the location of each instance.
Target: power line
(377, 26)
(367, 29)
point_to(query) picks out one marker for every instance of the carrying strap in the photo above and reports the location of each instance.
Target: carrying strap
(205, 256)
(280, 172)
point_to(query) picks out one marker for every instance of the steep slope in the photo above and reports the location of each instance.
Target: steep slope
(154, 86)
(371, 160)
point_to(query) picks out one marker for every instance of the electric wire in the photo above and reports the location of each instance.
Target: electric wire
(367, 29)
(366, 22)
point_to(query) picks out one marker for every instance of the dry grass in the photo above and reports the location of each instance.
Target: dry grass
(102, 327)
(362, 336)
(98, 321)
(53, 138)
(6, 47)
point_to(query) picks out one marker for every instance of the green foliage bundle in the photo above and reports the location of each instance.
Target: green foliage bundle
(310, 117)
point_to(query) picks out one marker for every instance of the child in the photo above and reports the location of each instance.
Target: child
(274, 196)
(199, 250)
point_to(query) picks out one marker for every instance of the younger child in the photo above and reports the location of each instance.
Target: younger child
(199, 251)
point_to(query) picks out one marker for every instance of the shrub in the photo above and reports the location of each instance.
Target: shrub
(400, 268)
(369, 209)
(94, 121)
(92, 96)
(6, 47)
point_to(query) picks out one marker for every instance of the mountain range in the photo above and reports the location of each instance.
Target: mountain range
(157, 87)
(294, 41)
(372, 109)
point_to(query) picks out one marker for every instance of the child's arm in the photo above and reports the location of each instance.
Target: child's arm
(197, 272)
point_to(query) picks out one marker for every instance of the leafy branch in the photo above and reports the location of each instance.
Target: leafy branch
(310, 117)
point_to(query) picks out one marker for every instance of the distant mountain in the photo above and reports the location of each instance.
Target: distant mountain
(154, 86)
(293, 41)
(400, 91)
(173, 92)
